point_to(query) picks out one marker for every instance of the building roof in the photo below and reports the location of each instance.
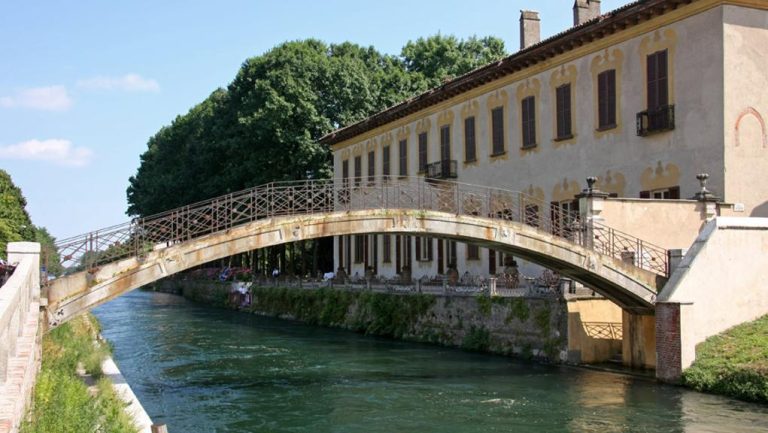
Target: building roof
(597, 28)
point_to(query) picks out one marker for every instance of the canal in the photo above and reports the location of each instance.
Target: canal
(204, 370)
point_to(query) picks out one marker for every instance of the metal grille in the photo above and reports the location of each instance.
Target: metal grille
(142, 235)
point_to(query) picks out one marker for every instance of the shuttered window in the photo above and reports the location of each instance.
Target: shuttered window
(529, 121)
(422, 152)
(469, 139)
(497, 130)
(386, 243)
(606, 99)
(371, 166)
(385, 165)
(445, 143)
(359, 248)
(358, 170)
(473, 252)
(563, 109)
(345, 172)
(403, 156)
(657, 80)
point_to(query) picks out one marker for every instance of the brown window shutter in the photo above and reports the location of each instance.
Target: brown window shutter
(430, 249)
(418, 248)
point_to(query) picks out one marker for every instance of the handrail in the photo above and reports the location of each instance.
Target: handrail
(141, 235)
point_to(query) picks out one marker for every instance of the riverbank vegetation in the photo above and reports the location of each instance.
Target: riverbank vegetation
(63, 402)
(734, 363)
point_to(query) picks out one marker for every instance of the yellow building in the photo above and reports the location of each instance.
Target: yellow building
(644, 97)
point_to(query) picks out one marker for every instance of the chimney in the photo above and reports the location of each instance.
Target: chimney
(530, 29)
(585, 10)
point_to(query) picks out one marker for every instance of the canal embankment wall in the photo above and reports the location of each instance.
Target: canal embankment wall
(548, 329)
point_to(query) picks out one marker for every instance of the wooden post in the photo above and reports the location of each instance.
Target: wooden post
(159, 428)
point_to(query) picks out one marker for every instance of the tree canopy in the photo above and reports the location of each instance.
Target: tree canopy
(16, 226)
(265, 125)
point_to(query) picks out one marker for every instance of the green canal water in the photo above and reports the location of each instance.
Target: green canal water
(200, 369)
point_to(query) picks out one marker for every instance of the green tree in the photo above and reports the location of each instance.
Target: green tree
(49, 254)
(439, 57)
(15, 224)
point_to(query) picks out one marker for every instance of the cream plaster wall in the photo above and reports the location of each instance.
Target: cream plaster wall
(555, 170)
(721, 282)
(670, 224)
(746, 108)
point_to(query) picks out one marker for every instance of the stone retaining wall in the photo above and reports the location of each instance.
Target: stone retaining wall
(522, 327)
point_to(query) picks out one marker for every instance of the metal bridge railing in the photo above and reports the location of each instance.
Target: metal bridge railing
(142, 235)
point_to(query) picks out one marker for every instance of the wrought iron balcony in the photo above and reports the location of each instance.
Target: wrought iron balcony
(442, 169)
(656, 120)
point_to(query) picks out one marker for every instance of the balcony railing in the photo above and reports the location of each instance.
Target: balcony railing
(442, 170)
(656, 120)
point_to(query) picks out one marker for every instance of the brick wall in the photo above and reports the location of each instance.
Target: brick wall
(668, 363)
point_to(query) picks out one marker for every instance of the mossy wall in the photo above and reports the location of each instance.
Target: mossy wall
(522, 327)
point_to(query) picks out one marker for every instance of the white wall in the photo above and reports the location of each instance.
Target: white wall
(721, 282)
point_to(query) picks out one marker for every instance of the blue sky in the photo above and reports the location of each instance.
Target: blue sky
(83, 85)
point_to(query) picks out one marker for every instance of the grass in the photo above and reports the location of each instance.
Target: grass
(734, 363)
(62, 402)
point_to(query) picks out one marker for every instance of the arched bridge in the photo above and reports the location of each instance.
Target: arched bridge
(107, 263)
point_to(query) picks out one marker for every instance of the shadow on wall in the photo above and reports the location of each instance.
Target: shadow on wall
(760, 211)
(592, 342)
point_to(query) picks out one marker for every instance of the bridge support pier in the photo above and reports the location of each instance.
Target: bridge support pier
(639, 340)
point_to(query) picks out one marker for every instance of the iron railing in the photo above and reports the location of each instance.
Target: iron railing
(656, 120)
(141, 235)
(629, 249)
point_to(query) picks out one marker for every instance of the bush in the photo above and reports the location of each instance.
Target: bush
(734, 363)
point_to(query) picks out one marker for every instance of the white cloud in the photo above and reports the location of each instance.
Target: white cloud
(126, 83)
(56, 150)
(52, 98)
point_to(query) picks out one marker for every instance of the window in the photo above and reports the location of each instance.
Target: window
(659, 116)
(452, 258)
(469, 139)
(473, 252)
(529, 121)
(385, 166)
(606, 99)
(657, 80)
(359, 248)
(371, 166)
(563, 109)
(671, 193)
(358, 170)
(344, 193)
(386, 243)
(491, 261)
(497, 130)
(445, 143)
(532, 215)
(422, 152)
(563, 215)
(403, 154)
(424, 248)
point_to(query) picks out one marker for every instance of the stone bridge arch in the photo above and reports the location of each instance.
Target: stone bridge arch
(632, 288)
